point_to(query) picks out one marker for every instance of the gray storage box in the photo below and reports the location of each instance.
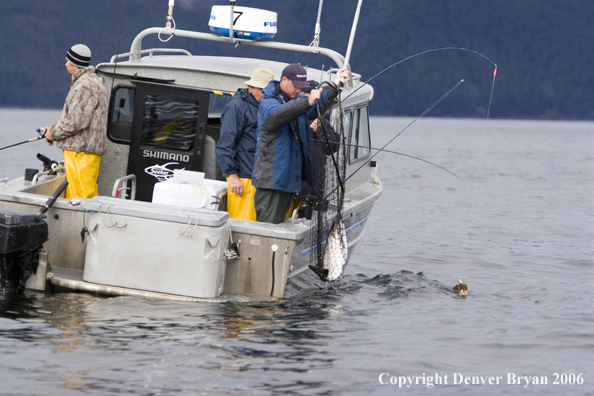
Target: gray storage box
(153, 247)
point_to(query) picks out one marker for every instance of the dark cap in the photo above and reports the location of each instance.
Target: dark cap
(297, 74)
(313, 84)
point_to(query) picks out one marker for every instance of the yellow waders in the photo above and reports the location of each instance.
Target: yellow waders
(296, 204)
(242, 206)
(82, 171)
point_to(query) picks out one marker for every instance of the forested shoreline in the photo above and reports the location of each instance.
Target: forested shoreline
(543, 49)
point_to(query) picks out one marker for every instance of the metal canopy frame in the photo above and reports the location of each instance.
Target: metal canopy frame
(136, 47)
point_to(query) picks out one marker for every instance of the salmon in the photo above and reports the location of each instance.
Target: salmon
(335, 254)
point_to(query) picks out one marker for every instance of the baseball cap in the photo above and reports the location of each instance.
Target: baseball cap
(297, 74)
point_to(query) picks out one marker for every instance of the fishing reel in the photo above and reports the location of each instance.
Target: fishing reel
(41, 132)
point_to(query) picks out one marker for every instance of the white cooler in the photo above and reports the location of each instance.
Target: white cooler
(208, 196)
(191, 190)
(159, 248)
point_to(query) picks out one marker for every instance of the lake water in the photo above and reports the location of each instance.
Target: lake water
(517, 227)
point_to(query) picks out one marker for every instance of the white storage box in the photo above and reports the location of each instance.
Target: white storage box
(208, 195)
(140, 245)
(185, 176)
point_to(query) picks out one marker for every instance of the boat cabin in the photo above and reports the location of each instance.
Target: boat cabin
(165, 115)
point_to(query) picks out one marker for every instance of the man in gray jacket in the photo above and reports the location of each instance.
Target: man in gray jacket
(82, 127)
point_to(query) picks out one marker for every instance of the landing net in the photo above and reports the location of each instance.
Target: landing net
(327, 148)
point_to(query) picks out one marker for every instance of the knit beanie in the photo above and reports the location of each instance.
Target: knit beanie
(79, 55)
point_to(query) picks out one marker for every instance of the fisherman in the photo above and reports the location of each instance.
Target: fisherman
(283, 159)
(236, 149)
(324, 141)
(82, 127)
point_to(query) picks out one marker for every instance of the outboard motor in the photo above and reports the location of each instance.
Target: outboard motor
(22, 235)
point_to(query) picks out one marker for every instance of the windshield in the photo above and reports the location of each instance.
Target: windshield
(217, 104)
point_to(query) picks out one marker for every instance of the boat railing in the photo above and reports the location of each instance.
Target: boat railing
(151, 52)
(47, 172)
(136, 48)
(121, 185)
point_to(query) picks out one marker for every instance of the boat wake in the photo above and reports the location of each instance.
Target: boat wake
(396, 286)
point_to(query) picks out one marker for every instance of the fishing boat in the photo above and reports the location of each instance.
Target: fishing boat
(159, 226)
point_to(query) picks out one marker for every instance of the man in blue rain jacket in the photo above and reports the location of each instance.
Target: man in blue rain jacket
(283, 159)
(236, 148)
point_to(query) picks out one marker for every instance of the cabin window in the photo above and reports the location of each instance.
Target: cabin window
(360, 141)
(169, 122)
(121, 115)
(348, 117)
(217, 104)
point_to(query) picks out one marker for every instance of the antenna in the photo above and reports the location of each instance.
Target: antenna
(170, 14)
(169, 24)
(316, 40)
(352, 38)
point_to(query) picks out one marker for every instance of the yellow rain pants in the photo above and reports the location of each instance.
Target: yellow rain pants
(296, 204)
(242, 206)
(82, 171)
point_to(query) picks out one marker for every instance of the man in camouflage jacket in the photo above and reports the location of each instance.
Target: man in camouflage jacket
(82, 127)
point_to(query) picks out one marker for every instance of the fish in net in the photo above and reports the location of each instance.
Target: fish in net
(328, 240)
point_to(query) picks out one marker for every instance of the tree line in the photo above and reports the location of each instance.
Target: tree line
(543, 49)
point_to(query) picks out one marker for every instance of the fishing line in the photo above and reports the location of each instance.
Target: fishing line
(419, 54)
(409, 125)
(396, 152)
(115, 65)
(402, 131)
(484, 131)
(426, 111)
(478, 171)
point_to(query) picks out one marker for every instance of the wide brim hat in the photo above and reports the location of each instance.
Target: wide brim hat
(260, 78)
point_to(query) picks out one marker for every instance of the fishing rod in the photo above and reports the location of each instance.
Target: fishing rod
(352, 37)
(115, 64)
(363, 83)
(409, 125)
(395, 152)
(336, 236)
(40, 131)
(404, 60)
(340, 86)
(401, 132)
(419, 54)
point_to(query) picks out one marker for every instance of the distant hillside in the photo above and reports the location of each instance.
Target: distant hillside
(544, 50)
